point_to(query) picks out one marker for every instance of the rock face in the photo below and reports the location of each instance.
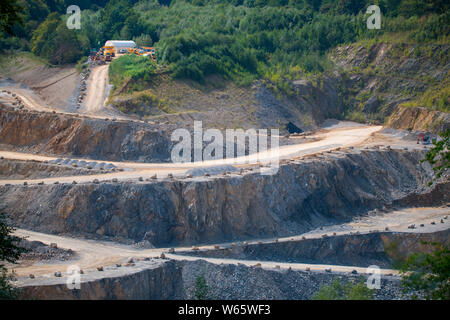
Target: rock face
(378, 78)
(299, 197)
(381, 249)
(419, 119)
(176, 280)
(58, 134)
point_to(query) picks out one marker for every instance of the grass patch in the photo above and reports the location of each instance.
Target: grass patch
(132, 71)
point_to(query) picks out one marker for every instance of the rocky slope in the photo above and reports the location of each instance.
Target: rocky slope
(65, 135)
(301, 196)
(419, 119)
(377, 78)
(369, 82)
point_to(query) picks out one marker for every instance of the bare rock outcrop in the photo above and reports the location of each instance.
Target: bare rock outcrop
(59, 134)
(419, 119)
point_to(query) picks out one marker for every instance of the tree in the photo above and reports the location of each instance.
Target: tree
(9, 15)
(439, 155)
(428, 273)
(144, 40)
(348, 291)
(9, 252)
(201, 288)
(52, 40)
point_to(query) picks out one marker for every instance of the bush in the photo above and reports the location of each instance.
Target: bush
(429, 273)
(201, 288)
(348, 291)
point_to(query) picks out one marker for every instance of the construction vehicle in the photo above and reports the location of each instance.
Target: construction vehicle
(424, 139)
(109, 53)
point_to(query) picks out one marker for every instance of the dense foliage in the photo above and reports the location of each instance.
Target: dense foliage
(238, 39)
(429, 273)
(53, 41)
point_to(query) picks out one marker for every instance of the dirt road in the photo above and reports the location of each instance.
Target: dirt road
(327, 140)
(96, 92)
(94, 103)
(92, 254)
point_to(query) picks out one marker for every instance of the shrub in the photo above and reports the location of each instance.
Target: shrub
(344, 291)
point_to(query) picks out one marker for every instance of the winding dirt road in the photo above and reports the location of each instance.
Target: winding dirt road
(327, 140)
(92, 254)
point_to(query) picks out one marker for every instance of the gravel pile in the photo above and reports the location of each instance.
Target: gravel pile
(40, 251)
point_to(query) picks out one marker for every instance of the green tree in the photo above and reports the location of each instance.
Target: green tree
(144, 40)
(428, 273)
(344, 291)
(201, 288)
(9, 15)
(52, 40)
(439, 155)
(9, 252)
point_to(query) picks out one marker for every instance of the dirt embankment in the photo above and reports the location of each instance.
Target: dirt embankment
(66, 135)
(54, 85)
(300, 197)
(224, 105)
(419, 119)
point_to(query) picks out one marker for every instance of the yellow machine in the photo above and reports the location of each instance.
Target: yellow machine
(109, 53)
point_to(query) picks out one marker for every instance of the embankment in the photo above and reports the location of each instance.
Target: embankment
(17, 169)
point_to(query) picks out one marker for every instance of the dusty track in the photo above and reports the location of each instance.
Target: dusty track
(92, 254)
(96, 91)
(327, 140)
